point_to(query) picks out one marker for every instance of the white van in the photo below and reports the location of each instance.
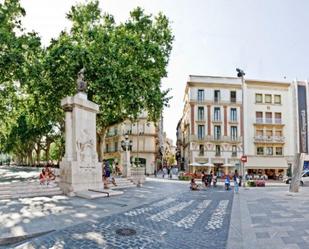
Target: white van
(303, 179)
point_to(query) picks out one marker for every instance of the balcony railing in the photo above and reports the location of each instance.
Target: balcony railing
(220, 138)
(201, 119)
(268, 121)
(259, 120)
(269, 139)
(278, 121)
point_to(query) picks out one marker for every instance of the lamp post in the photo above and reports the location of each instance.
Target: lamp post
(126, 145)
(241, 74)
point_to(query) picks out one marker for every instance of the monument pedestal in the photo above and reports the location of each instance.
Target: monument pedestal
(79, 168)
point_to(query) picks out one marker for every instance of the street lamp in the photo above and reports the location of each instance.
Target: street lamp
(241, 74)
(126, 145)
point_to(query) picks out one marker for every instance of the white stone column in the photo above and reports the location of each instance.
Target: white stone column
(68, 133)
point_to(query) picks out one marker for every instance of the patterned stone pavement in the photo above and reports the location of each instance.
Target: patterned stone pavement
(185, 220)
(270, 218)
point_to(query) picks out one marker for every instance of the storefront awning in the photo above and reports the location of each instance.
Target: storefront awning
(266, 163)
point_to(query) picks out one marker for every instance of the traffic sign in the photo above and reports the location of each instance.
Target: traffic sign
(244, 159)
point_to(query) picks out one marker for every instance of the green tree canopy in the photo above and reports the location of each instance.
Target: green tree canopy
(124, 66)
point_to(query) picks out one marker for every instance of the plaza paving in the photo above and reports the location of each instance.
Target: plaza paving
(162, 214)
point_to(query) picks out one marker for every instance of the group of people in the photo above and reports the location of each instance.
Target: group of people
(46, 176)
(207, 179)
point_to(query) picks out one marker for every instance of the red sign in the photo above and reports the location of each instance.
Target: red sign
(244, 159)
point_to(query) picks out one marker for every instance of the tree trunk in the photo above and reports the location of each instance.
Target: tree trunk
(294, 186)
(48, 143)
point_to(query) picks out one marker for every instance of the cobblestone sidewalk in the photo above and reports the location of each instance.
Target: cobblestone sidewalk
(188, 220)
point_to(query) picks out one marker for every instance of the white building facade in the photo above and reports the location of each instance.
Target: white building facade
(212, 126)
(270, 143)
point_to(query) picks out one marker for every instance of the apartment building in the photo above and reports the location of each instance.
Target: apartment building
(211, 124)
(270, 127)
(144, 137)
(211, 130)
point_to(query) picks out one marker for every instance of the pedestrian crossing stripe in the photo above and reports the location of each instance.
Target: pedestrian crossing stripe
(190, 219)
(139, 211)
(216, 219)
(170, 211)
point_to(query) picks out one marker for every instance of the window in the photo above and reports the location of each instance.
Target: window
(200, 113)
(277, 99)
(259, 117)
(201, 131)
(116, 146)
(107, 148)
(217, 114)
(200, 95)
(218, 150)
(233, 114)
(258, 98)
(278, 118)
(259, 132)
(234, 133)
(217, 95)
(260, 151)
(269, 150)
(217, 132)
(278, 151)
(201, 150)
(233, 96)
(269, 118)
(234, 150)
(268, 98)
(278, 133)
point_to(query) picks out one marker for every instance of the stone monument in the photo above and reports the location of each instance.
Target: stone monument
(79, 168)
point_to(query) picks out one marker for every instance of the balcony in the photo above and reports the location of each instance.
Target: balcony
(218, 138)
(201, 119)
(216, 120)
(268, 121)
(269, 139)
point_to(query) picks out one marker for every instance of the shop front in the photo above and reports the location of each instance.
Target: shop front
(266, 168)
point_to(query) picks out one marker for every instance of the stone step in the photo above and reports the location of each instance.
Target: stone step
(122, 186)
(97, 193)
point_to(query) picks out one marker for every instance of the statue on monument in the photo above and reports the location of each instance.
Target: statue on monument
(81, 83)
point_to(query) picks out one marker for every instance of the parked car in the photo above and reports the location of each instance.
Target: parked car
(304, 178)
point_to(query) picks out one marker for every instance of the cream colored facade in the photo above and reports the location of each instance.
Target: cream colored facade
(144, 137)
(211, 126)
(270, 114)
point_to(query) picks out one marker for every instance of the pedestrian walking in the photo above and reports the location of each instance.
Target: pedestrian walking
(236, 181)
(227, 182)
(204, 178)
(209, 179)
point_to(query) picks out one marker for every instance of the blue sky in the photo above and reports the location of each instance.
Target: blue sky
(267, 38)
